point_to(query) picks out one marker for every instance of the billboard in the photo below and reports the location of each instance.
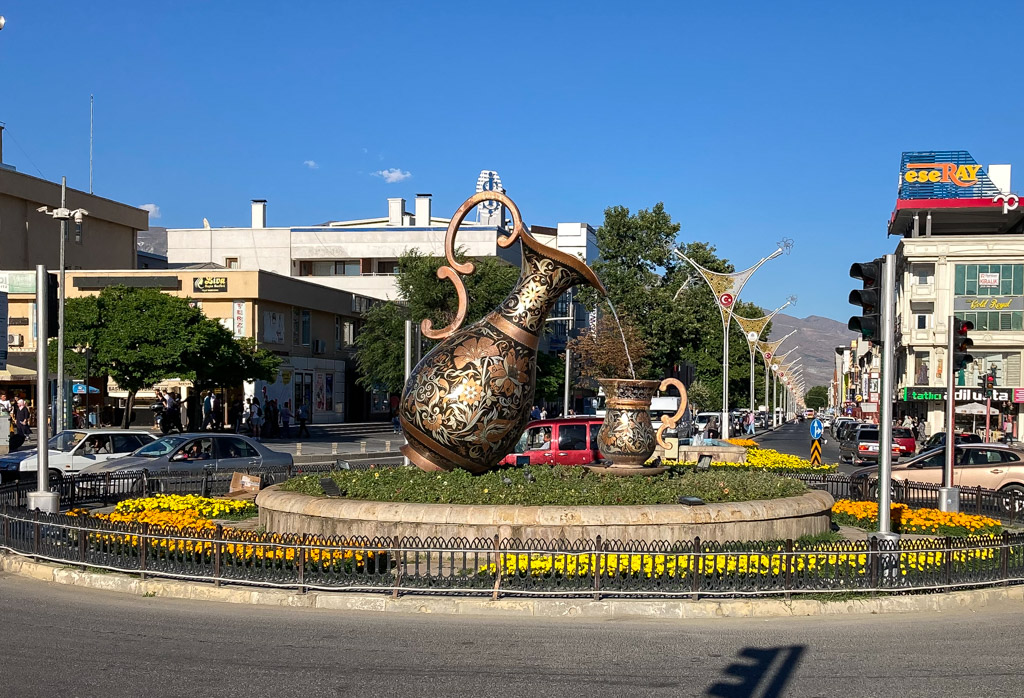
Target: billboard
(943, 174)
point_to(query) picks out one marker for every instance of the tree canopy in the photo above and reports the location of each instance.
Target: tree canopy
(816, 397)
(141, 336)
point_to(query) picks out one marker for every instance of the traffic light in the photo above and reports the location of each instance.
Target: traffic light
(869, 298)
(52, 306)
(962, 343)
(989, 380)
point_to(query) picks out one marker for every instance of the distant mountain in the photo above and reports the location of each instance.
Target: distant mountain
(815, 343)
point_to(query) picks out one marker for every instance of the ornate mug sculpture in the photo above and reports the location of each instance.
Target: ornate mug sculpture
(467, 402)
(627, 437)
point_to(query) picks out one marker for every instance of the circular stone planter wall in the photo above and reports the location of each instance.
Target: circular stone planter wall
(791, 517)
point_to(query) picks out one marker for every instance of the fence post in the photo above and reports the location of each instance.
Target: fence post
(977, 501)
(301, 560)
(1004, 558)
(698, 571)
(106, 488)
(947, 559)
(497, 567)
(143, 547)
(218, 547)
(206, 483)
(82, 539)
(789, 566)
(598, 559)
(873, 562)
(35, 533)
(400, 564)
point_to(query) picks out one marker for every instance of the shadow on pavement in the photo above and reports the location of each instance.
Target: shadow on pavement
(770, 667)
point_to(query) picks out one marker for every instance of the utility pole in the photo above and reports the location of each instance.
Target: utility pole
(888, 300)
(42, 499)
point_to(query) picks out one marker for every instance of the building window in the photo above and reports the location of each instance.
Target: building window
(349, 333)
(337, 332)
(231, 262)
(79, 227)
(387, 267)
(307, 327)
(345, 267)
(348, 267)
(296, 326)
(921, 363)
(989, 280)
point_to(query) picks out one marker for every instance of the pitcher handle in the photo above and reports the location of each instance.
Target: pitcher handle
(454, 268)
(671, 422)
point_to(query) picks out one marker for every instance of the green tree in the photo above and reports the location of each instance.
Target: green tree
(699, 397)
(380, 346)
(816, 397)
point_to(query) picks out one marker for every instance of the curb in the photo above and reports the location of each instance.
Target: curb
(618, 609)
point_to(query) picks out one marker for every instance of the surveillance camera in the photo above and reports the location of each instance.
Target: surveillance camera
(41, 209)
(80, 214)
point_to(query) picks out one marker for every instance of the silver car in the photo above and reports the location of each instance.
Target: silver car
(195, 453)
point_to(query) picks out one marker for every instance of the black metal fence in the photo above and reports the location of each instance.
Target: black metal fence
(581, 568)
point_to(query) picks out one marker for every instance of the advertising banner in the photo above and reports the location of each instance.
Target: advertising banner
(210, 284)
(945, 174)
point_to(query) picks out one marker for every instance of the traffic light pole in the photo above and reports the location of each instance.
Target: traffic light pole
(949, 496)
(888, 301)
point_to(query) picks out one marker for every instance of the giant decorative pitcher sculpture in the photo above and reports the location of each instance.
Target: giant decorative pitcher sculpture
(627, 438)
(467, 402)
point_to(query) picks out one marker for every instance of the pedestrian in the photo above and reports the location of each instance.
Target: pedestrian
(396, 425)
(173, 410)
(286, 419)
(217, 413)
(535, 413)
(256, 418)
(207, 410)
(543, 412)
(22, 425)
(5, 404)
(749, 420)
(302, 414)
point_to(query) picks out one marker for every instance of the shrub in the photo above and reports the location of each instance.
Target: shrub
(546, 485)
(906, 520)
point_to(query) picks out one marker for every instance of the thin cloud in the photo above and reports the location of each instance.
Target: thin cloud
(392, 175)
(311, 164)
(154, 210)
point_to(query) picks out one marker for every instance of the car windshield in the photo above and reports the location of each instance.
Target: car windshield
(160, 447)
(902, 434)
(66, 441)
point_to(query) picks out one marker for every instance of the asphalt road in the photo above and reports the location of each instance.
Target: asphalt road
(795, 439)
(82, 643)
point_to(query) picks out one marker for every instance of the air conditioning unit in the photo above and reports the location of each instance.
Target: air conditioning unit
(15, 340)
(319, 346)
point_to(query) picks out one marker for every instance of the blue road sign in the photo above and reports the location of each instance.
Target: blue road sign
(816, 429)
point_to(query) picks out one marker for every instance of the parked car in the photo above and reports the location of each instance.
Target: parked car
(195, 453)
(845, 429)
(838, 423)
(991, 466)
(563, 441)
(862, 446)
(939, 439)
(73, 450)
(905, 438)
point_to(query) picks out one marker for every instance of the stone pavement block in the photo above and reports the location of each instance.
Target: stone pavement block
(351, 602)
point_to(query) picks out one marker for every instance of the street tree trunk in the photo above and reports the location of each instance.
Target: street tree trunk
(126, 418)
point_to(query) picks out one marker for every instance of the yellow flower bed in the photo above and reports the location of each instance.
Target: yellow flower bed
(662, 566)
(768, 459)
(190, 516)
(907, 520)
(204, 507)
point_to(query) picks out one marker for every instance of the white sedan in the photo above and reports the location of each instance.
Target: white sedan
(72, 450)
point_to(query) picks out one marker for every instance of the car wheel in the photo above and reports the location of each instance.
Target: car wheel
(1013, 499)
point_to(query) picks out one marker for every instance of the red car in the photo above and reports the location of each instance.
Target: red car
(905, 438)
(564, 441)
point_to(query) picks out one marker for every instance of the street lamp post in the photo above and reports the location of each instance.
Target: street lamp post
(726, 289)
(63, 215)
(752, 329)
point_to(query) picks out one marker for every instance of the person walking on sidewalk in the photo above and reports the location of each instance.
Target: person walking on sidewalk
(302, 414)
(749, 421)
(286, 419)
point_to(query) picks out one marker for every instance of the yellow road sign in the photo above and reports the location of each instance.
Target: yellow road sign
(816, 452)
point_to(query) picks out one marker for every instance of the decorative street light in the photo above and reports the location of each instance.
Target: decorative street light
(63, 215)
(752, 329)
(768, 351)
(726, 289)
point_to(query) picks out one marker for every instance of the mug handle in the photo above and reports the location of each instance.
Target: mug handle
(454, 269)
(671, 422)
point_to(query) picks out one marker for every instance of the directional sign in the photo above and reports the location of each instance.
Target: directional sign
(816, 429)
(815, 452)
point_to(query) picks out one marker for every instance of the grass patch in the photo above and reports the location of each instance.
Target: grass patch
(544, 485)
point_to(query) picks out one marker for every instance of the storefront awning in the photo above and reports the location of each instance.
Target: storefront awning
(17, 374)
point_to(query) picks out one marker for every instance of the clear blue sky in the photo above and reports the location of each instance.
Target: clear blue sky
(751, 121)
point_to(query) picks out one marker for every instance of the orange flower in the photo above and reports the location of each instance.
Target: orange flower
(473, 350)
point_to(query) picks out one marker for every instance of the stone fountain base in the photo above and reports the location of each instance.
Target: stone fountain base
(776, 519)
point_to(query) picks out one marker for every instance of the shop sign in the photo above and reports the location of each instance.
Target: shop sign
(238, 318)
(210, 284)
(944, 172)
(988, 279)
(960, 395)
(964, 303)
